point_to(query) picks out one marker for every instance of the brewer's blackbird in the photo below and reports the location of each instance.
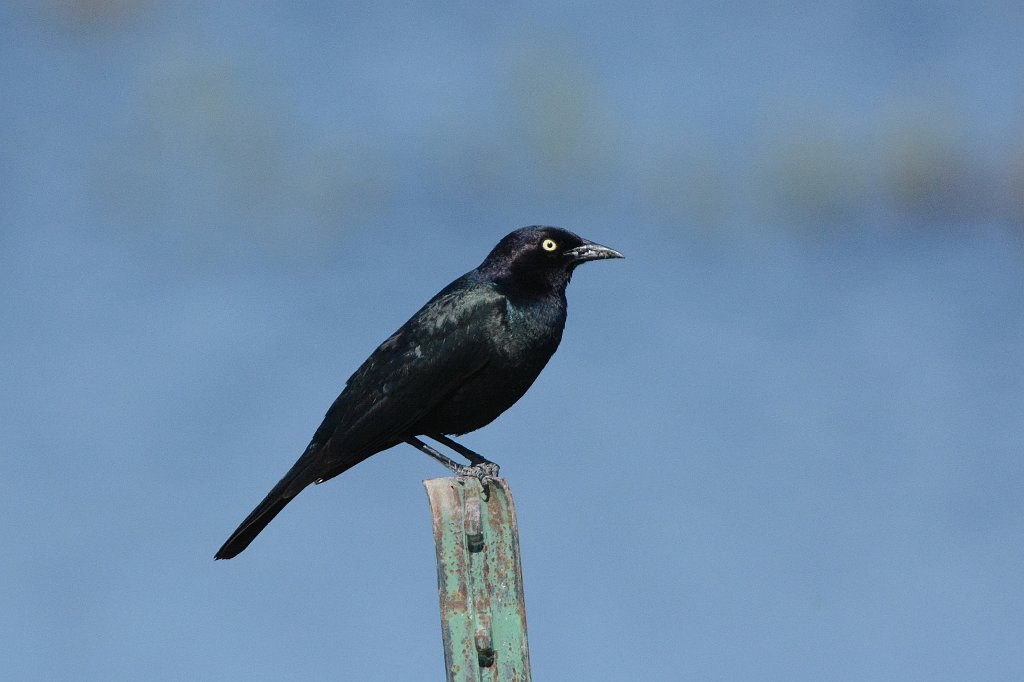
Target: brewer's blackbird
(460, 361)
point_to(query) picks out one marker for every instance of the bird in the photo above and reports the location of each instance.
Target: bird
(460, 361)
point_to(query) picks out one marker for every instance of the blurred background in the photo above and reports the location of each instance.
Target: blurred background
(781, 440)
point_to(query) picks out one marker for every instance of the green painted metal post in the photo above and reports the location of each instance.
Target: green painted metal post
(479, 579)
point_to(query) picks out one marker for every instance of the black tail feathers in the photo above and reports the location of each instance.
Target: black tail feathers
(283, 493)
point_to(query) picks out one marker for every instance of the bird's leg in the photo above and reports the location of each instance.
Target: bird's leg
(481, 468)
(446, 462)
(473, 457)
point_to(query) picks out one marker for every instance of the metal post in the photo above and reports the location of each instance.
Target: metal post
(479, 579)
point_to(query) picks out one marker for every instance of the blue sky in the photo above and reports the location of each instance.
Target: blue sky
(781, 440)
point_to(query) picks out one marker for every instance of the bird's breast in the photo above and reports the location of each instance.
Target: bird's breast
(518, 349)
(529, 329)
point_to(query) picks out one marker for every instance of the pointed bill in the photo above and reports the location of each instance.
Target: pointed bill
(591, 251)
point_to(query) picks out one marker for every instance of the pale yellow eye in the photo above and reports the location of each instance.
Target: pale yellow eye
(548, 245)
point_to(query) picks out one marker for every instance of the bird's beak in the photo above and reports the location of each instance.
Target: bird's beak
(591, 251)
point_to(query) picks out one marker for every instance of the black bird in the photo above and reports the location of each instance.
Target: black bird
(464, 358)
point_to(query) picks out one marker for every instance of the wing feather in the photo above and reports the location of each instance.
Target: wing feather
(408, 375)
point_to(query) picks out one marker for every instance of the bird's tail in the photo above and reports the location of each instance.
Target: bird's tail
(297, 478)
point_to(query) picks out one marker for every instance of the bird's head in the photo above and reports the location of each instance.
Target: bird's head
(541, 257)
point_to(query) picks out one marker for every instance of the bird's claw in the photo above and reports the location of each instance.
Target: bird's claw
(482, 471)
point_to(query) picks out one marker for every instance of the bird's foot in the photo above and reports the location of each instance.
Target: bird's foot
(484, 472)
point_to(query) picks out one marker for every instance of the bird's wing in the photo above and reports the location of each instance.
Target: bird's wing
(418, 367)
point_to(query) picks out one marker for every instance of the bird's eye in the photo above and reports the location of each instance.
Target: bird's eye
(548, 245)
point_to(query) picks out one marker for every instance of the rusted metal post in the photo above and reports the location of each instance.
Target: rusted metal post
(479, 579)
